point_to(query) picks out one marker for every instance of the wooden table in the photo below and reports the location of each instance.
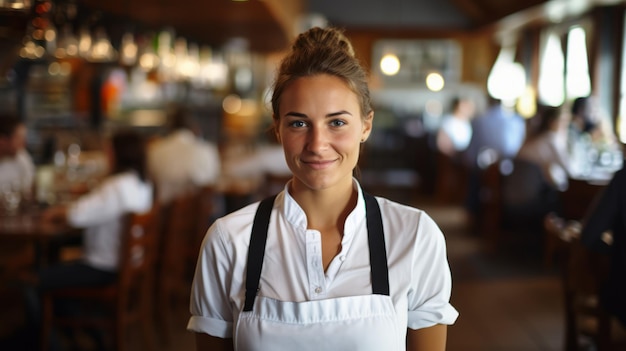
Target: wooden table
(27, 227)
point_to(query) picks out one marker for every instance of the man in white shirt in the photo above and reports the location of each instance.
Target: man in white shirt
(181, 161)
(17, 169)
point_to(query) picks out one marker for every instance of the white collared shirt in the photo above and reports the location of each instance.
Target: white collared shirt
(101, 213)
(419, 274)
(180, 161)
(18, 171)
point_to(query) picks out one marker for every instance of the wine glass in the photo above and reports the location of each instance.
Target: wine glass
(11, 198)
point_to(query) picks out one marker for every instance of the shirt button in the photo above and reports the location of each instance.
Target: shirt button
(318, 290)
(342, 258)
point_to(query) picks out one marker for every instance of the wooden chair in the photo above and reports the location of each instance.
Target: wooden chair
(128, 299)
(451, 184)
(583, 272)
(187, 219)
(17, 261)
(490, 215)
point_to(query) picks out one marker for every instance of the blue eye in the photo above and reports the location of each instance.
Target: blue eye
(297, 124)
(337, 123)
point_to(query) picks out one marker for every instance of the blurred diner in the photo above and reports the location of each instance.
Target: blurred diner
(265, 161)
(182, 161)
(17, 170)
(592, 144)
(497, 135)
(546, 146)
(101, 214)
(455, 131)
(452, 139)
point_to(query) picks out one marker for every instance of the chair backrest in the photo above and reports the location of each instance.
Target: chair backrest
(524, 184)
(583, 273)
(490, 203)
(138, 247)
(187, 219)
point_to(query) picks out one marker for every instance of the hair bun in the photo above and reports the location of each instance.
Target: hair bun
(322, 39)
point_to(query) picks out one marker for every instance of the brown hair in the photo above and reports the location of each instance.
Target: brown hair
(8, 125)
(322, 51)
(129, 150)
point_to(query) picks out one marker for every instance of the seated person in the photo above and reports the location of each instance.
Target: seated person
(181, 161)
(101, 213)
(265, 159)
(16, 165)
(590, 134)
(455, 132)
(547, 147)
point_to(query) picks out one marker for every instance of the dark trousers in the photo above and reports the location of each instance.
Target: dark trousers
(60, 276)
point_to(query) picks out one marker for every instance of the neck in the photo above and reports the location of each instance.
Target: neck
(327, 207)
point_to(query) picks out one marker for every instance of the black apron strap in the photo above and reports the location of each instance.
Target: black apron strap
(378, 251)
(258, 238)
(256, 251)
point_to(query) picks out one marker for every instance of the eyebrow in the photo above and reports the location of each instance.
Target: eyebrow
(302, 115)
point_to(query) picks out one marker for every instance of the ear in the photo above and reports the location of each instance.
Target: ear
(276, 131)
(367, 126)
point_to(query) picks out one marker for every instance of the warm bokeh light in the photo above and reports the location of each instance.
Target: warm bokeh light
(435, 81)
(390, 64)
(232, 104)
(527, 103)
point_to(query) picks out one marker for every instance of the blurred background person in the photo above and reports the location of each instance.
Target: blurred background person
(547, 147)
(497, 134)
(455, 132)
(264, 163)
(452, 139)
(499, 129)
(531, 188)
(590, 134)
(101, 213)
(587, 119)
(182, 161)
(17, 170)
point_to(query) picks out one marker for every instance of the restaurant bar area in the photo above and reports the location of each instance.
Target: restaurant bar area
(127, 128)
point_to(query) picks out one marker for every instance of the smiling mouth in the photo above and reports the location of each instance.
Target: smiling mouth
(318, 164)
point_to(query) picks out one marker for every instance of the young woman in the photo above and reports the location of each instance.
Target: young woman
(324, 266)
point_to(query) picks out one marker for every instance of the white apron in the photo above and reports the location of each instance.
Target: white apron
(362, 323)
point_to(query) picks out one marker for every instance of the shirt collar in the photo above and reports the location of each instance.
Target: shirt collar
(295, 215)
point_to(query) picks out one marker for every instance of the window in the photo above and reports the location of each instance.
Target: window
(621, 119)
(577, 81)
(551, 70)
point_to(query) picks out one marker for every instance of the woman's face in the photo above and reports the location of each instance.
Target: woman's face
(321, 127)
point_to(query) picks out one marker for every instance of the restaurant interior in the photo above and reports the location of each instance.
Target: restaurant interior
(74, 71)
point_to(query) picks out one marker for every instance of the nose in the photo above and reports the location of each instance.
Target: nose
(317, 139)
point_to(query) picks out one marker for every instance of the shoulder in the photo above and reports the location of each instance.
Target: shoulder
(236, 225)
(128, 183)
